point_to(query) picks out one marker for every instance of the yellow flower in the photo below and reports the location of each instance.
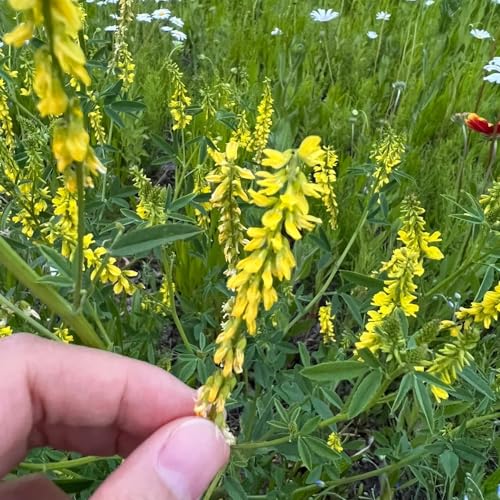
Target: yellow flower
(387, 155)
(335, 443)
(5, 330)
(439, 393)
(48, 87)
(264, 122)
(20, 34)
(325, 177)
(228, 177)
(484, 312)
(413, 234)
(64, 335)
(179, 100)
(325, 319)
(71, 141)
(269, 260)
(310, 151)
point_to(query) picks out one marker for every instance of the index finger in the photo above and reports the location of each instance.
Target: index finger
(80, 399)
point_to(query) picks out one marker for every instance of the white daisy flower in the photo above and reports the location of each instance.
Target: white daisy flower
(383, 16)
(324, 15)
(496, 2)
(480, 34)
(494, 68)
(177, 21)
(144, 17)
(428, 3)
(178, 35)
(166, 29)
(372, 35)
(114, 16)
(111, 28)
(276, 32)
(161, 14)
(1, 44)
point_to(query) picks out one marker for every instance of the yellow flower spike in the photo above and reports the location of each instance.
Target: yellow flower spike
(269, 257)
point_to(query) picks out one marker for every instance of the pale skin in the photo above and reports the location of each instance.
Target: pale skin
(97, 403)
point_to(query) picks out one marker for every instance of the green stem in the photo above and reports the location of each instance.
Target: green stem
(340, 417)
(37, 326)
(25, 275)
(173, 310)
(81, 234)
(388, 469)
(333, 272)
(262, 444)
(64, 464)
(465, 265)
(213, 485)
(476, 421)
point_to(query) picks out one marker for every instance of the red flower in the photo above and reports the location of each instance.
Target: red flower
(481, 125)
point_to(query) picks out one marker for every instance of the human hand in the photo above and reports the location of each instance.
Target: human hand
(98, 403)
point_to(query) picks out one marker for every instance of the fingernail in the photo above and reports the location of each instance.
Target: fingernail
(190, 458)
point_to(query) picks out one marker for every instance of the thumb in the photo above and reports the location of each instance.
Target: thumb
(177, 462)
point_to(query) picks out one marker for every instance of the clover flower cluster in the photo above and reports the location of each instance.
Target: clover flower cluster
(404, 266)
(122, 61)
(179, 99)
(152, 199)
(263, 123)
(325, 319)
(283, 193)
(227, 176)
(490, 202)
(325, 177)
(387, 156)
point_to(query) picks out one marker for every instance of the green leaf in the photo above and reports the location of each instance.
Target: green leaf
(333, 371)
(424, 401)
(304, 453)
(362, 280)
(128, 107)
(468, 453)
(449, 463)
(364, 393)
(369, 358)
(311, 425)
(404, 387)
(113, 116)
(477, 381)
(353, 306)
(431, 379)
(321, 449)
(144, 240)
(56, 281)
(181, 202)
(56, 260)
